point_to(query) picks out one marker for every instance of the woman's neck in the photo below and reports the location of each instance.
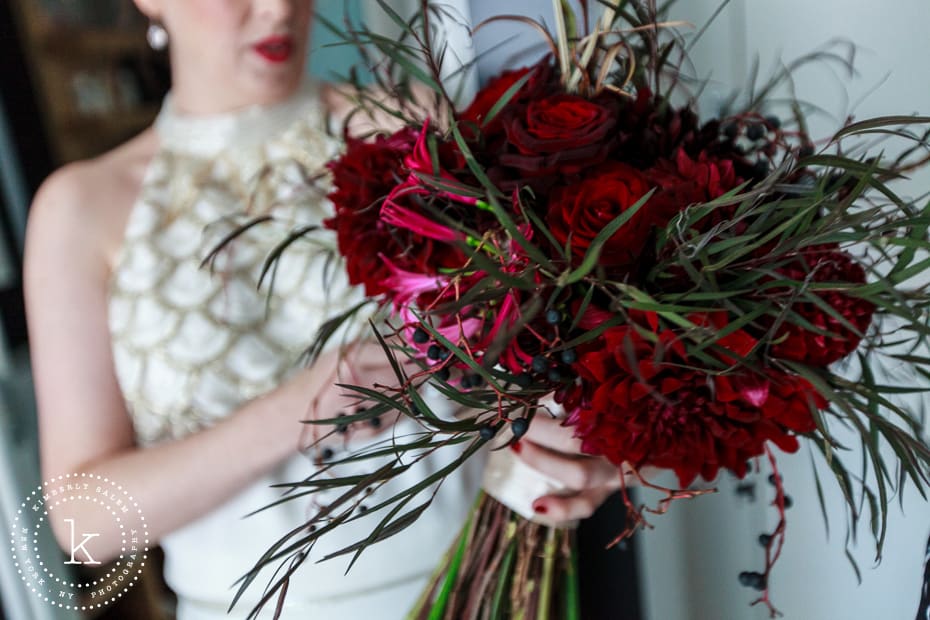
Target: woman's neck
(215, 129)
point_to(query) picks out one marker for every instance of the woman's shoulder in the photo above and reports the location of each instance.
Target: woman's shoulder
(82, 206)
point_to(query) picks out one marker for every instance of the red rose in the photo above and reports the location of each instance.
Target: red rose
(488, 97)
(834, 340)
(362, 178)
(578, 212)
(563, 133)
(643, 403)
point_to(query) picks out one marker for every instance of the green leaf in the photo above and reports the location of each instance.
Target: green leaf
(597, 245)
(505, 99)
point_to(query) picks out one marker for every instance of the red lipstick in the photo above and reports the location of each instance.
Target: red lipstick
(275, 48)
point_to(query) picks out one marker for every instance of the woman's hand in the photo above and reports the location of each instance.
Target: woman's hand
(552, 449)
(317, 393)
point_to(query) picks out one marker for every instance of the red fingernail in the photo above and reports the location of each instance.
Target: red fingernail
(540, 508)
(516, 447)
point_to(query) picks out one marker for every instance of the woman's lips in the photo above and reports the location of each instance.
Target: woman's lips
(275, 49)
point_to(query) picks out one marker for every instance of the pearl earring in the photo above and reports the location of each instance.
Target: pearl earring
(157, 36)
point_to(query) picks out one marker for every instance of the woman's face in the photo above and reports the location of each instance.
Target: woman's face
(226, 54)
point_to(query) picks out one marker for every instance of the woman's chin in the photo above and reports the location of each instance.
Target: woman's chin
(271, 86)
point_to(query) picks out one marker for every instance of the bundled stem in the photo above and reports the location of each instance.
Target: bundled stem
(504, 566)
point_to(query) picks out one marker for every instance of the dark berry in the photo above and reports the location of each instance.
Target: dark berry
(765, 539)
(442, 374)
(342, 428)
(311, 528)
(523, 380)
(788, 501)
(540, 363)
(487, 432)
(730, 130)
(555, 375)
(363, 508)
(773, 122)
(519, 427)
(755, 131)
(569, 356)
(477, 380)
(806, 151)
(444, 354)
(752, 580)
(433, 352)
(746, 489)
(553, 317)
(467, 383)
(760, 168)
(327, 454)
(375, 422)
(772, 479)
(420, 336)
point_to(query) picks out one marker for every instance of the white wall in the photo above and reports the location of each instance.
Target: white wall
(692, 560)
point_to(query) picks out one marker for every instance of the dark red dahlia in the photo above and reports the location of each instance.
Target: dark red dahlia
(685, 181)
(640, 402)
(649, 130)
(834, 339)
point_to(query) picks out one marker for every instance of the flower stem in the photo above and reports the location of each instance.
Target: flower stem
(545, 591)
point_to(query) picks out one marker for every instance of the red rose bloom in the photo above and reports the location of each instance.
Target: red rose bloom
(580, 211)
(639, 402)
(362, 178)
(488, 97)
(836, 340)
(560, 133)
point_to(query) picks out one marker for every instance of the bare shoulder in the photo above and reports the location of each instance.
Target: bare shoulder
(83, 206)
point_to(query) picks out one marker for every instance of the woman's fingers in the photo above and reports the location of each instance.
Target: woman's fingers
(560, 508)
(575, 472)
(548, 432)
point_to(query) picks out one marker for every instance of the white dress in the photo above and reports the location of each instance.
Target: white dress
(190, 347)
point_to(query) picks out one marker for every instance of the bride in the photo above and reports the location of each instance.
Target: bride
(182, 383)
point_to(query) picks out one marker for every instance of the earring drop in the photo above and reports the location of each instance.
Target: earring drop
(157, 37)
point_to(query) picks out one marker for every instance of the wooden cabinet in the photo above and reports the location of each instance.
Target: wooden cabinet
(97, 81)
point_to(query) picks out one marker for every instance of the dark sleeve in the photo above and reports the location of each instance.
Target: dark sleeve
(923, 610)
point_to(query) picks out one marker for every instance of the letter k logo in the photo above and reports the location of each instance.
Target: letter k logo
(81, 546)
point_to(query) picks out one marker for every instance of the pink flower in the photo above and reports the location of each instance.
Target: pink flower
(408, 285)
(393, 214)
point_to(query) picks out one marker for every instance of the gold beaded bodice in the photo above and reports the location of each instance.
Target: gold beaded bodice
(193, 341)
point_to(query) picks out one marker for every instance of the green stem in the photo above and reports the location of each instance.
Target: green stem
(439, 608)
(545, 586)
(504, 578)
(572, 600)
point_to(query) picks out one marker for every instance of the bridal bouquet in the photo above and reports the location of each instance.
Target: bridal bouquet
(695, 295)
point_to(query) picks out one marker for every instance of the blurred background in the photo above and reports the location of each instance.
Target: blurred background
(78, 78)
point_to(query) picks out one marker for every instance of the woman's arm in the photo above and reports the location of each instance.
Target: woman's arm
(83, 424)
